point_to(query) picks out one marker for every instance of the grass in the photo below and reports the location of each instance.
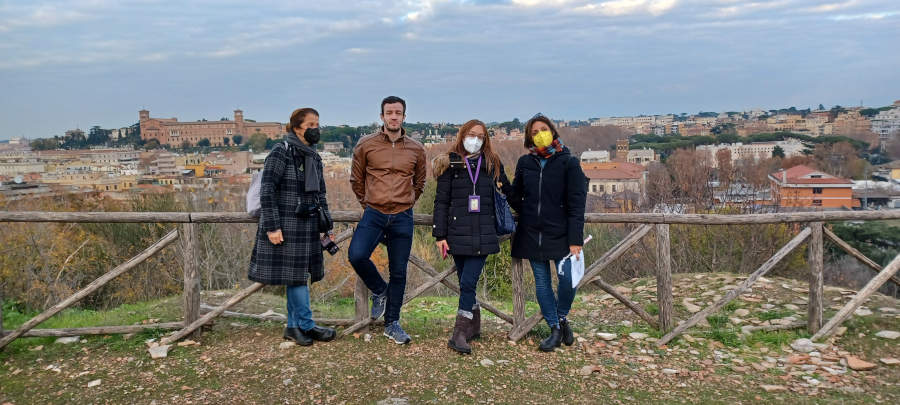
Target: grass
(775, 314)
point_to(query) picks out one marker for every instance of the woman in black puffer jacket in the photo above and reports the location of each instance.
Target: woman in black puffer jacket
(464, 219)
(548, 192)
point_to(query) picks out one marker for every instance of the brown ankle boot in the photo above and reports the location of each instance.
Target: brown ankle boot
(474, 330)
(458, 339)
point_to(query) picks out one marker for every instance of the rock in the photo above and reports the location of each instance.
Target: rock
(773, 388)
(746, 329)
(68, 340)
(840, 331)
(607, 336)
(806, 345)
(286, 345)
(859, 364)
(625, 323)
(888, 310)
(367, 337)
(690, 307)
(486, 362)
(767, 306)
(94, 383)
(888, 334)
(791, 307)
(863, 311)
(159, 352)
(637, 335)
(735, 321)
(286, 381)
(741, 312)
(393, 401)
(890, 361)
(587, 370)
(37, 348)
(669, 371)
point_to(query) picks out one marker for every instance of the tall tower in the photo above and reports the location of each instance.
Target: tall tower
(621, 150)
(144, 115)
(238, 116)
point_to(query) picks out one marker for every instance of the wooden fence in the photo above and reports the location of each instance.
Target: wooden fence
(814, 232)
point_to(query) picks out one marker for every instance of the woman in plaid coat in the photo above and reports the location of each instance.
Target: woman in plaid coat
(288, 249)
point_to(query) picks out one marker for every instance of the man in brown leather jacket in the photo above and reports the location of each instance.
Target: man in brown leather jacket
(388, 176)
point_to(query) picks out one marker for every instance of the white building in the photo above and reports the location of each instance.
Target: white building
(595, 156)
(754, 151)
(886, 123)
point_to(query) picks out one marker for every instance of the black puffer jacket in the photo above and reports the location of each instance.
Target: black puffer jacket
(550, 203)
(470, 234)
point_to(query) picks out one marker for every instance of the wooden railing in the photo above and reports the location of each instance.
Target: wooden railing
(814, 232)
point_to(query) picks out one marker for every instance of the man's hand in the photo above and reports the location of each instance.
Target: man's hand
(575, 250)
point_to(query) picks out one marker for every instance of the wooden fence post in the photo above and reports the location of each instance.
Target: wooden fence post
(191, 268)
(516, 275)
(361, 300)
(815, 253)
(664, 298)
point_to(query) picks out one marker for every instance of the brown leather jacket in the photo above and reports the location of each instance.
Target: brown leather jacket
(388, 176)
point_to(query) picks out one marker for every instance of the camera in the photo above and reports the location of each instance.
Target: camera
(329, 245)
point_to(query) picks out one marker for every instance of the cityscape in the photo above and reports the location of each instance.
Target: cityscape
(159, 154)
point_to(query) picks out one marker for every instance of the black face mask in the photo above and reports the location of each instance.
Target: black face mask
(311, 135)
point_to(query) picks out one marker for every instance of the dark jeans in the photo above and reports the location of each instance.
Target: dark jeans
(551, 307)
(397, 230)
(468, 269)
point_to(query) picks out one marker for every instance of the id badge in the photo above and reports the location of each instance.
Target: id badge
(474, 203)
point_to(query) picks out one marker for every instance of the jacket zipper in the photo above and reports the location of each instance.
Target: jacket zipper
(540, 197)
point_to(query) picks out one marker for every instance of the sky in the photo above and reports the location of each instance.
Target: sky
(79, 63)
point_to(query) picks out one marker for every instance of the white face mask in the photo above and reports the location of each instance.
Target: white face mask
(472, 144)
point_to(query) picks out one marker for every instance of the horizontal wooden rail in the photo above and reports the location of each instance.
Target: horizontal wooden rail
(424, 219)
(99, 330)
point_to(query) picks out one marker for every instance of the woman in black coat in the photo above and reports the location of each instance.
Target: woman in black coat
(288, 249)
(548, 192)
(464, 219)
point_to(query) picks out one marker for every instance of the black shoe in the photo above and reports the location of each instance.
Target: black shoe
(551, 342)
(568, 338)
(320, 333)
(297, 336)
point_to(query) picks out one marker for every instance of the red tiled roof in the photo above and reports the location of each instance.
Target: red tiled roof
(612, 174)
(802, 175)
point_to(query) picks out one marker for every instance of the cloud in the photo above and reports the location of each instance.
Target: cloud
(865, 16)
(628, 7)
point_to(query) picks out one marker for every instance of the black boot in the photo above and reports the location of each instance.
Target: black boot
(567, 336)
(297, 336)
(551, 342)
(458, 339)
(320, 333)
(474, 329)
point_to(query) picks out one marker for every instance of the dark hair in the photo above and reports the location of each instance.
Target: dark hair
(529, 139)
(392, 100)
(487, 150)
(297, 118)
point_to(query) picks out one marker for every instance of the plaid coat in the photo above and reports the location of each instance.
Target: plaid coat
(299, 258)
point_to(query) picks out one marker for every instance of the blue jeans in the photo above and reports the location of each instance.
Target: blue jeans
(299, 314)
(397, 232)
(468, 269)
(551, 307)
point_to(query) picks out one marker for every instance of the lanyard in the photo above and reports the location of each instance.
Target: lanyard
(477, 172)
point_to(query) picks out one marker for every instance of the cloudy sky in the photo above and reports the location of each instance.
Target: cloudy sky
(97, 62)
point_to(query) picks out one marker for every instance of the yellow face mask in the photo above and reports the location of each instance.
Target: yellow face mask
(543, 139)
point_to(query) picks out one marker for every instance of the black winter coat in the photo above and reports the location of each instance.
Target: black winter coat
(299, 257)
(550, 203)
(469, 234)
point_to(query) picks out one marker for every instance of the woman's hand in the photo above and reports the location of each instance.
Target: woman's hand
(575, 250)
(442, 245)
(275, 237)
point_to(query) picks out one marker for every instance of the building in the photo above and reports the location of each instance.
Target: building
(168, 131)
(641, 156)
(805, 187)
(333, 147)
(595, 156)
(887, 123)
(615, 177)
(754, 151)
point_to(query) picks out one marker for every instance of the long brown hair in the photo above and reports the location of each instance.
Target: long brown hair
(492, 159)
(529, 138)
